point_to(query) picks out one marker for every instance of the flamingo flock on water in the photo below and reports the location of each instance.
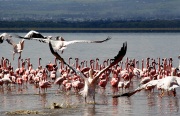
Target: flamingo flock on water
(86, 77)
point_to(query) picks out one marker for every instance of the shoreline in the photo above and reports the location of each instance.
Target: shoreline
(91, 29)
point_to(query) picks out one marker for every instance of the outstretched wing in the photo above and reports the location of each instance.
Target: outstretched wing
(129, 94)
(84, 41)
(10, 41)
(1, 39)
(62, 60)
(34, 35)
(4, 36)
(116, 59)
(59, 57)
(31, 35)
(44, 40)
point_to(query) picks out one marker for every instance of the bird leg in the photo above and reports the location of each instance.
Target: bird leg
(13, 55)
(174, 92)
(162, 93)
(20, 55)
(85, 99)
(62, 51)
(94, 99)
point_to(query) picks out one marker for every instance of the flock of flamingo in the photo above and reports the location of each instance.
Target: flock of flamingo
(88, 76)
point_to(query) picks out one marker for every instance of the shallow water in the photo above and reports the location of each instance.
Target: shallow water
(140, 46)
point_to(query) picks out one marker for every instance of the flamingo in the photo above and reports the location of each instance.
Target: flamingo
(77, 83)
(103, 80)
(17, 48)
(121, 85)
(6, 79)
(59, 43)
(59, 80)
(43, 84)
(4, 36)
(91, 81)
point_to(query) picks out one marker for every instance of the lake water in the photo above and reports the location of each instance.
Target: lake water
(139, 46)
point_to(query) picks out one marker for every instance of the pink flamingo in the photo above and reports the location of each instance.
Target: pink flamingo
(50, 66)
(77, 83)
(103, 80)
(43, 85)
(59, 80)
(114, 81)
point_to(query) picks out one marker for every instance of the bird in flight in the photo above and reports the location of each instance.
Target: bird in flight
(91, 82)
(58, 43)
(32, 35)
(17, 48)
(169, 83)
(4, 36)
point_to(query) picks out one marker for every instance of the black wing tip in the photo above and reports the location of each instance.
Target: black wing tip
(122, 51)
(122, 95)
(20, 37)
(109, 38)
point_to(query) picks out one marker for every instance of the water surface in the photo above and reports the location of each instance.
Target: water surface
(140, 46)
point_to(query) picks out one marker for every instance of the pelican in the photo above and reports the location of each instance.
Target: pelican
(17, 48)
(59, 43)
(32, 35)
(4, 36)
(169, 83)
(91, 82)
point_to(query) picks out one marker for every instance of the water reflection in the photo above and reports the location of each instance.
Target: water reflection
(43, 99)
(89, 110)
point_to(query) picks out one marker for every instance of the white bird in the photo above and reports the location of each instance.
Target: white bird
(91, 82)
(17, 48)
(4, 36)
(169, 83)
(59, 43)
(32, 35)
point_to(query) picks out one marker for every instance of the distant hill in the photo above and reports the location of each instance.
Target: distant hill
(73, 10)
(92, 26)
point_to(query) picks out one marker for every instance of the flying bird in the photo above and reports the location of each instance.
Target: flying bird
(58, 42)
(17, 48)
(169, 83)
(4, 36)
(90, 82)
(32, 35)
